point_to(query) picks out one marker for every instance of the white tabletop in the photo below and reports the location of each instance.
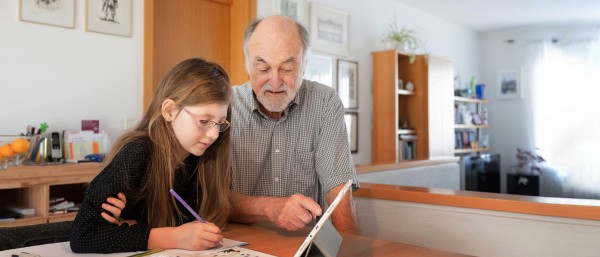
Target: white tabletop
(56, 250)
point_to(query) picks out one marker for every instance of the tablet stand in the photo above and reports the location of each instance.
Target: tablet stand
(328, 242)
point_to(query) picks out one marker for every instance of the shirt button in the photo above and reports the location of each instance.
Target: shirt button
(276, 179)
(276, 150)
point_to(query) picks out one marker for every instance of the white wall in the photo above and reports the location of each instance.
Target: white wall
(368, 21)
(61, 75)
(511, 120)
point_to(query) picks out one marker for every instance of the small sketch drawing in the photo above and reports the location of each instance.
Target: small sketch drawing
(109, 8)
(50, 5)
(51, 12)
(330, 30)
(509, 84)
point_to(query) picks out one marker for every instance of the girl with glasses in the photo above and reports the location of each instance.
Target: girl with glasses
(182, 143)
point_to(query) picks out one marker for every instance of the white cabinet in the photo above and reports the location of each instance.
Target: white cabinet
(441, 127)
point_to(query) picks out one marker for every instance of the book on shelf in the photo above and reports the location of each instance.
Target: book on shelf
(61, 205)
(56, 212)
(8, 215)
(74, 208)
(54, 200)
(22, 210)
(407, 148)
(466, 140)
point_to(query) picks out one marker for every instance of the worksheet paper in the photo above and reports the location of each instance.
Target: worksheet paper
(229, 248)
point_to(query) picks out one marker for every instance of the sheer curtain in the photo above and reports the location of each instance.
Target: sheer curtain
(566, 108)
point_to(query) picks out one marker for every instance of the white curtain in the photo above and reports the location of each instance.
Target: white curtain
(566, 107)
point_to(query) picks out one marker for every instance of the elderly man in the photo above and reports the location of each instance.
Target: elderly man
(290, 145)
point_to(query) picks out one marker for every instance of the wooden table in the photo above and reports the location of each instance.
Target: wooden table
(269, 239)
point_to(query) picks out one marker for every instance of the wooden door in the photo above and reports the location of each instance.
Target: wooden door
(175, 30)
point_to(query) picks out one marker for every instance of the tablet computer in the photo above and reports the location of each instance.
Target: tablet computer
(324, 235)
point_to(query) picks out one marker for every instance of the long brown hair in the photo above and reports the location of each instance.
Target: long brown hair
(190, 82)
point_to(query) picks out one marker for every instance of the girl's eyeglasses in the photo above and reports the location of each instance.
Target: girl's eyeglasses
(208, 124)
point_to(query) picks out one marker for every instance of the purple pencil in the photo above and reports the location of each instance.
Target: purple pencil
(186, 206)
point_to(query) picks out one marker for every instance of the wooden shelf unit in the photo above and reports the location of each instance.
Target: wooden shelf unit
(390, 104)
(32, 187)
(427, 109)
(470, 100)
(464, 126)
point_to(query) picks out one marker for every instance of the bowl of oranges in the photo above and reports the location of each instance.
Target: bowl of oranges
(13, 150)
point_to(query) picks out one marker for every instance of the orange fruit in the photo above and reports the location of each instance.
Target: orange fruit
(6, 151)
(20, 145)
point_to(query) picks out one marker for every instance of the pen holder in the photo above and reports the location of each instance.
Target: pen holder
(38, 154)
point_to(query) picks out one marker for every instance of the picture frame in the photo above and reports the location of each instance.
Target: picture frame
(347, 83)
(319, 68)
(509, 84)
(351, 120)
(293, 9)
(59, 13)
(109, 18)
(329, 30)
(476, 119)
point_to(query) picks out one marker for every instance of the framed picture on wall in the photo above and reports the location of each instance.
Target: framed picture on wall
(295, 10)
(109, 17)
(351, 119)
(329, 30)
(347, 83)
(58, 13)
(509, 84)
(319, 68)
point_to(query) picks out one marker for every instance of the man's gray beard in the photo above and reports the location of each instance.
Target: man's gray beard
(275, 104)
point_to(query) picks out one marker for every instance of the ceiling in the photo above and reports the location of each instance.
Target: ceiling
(487, 15)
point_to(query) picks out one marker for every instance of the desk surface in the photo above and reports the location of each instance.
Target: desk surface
(268, 239)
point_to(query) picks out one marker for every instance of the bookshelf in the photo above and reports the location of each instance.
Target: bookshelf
(468, 136)
(33, 186)
(423, 115)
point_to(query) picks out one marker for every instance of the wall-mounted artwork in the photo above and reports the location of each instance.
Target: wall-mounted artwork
(347, 83)
(51, 12)
(109, 16)
(509, 84)
(319, 68)
(295, 10)
(329, 30)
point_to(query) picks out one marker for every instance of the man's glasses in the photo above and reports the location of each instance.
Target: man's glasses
(208, 124)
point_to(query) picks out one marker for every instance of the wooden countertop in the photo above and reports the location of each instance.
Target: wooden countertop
(376, 167)
(30, 175)
(548, 206)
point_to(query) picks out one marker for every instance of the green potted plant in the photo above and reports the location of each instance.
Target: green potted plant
(401, 38)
